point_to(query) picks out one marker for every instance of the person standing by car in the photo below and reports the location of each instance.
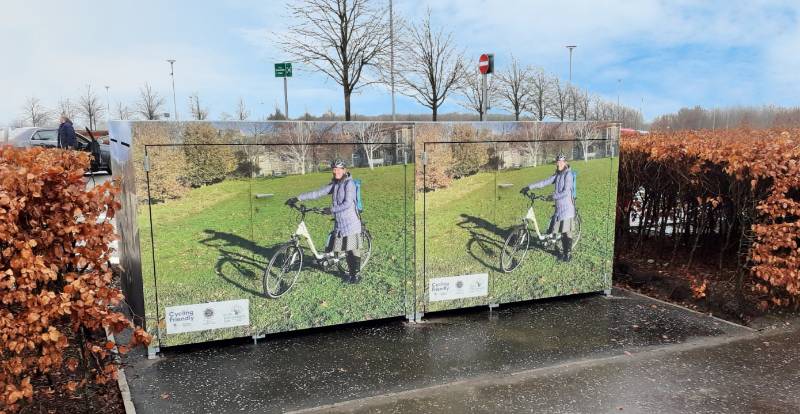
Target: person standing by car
(66, 134)
(563, 218)
(346, 234)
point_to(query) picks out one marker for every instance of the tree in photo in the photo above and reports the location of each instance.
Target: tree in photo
(515, 88)
(435, 159)
(90, 108)
(371, 136)
(150, 104)
(585, 133)
(207, 164)
(34, 113)
(468, 157)
(430, 67)
(340, 38)
(298, 138)
(167, 163)
(532, 134)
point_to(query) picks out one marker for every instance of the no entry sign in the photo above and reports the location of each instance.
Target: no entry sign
(486, 63)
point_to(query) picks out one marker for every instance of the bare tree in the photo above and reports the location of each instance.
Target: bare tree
(149, 105)
(242, 113)
(199, 113)
(430, 67)
(533, 133)
(574, 95)
(123, 112)
(540, 84)
(585, 133)
(472, 91)
(582, 102)
(515, 88)
(559, 98)
(340, 38)
(34, 112)
(90, 108)
(369, 135)
(602, 110)
(66, 108)
(299, 139)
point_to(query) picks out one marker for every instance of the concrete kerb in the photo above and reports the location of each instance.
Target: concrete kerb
(125, 391)
(122, 380)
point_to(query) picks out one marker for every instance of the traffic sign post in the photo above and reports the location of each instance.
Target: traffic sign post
(485, 66)
(284, 70)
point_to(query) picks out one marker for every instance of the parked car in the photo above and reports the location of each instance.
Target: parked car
(48, 137)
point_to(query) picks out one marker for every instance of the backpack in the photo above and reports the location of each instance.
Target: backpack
(359, 201)
(574, 183)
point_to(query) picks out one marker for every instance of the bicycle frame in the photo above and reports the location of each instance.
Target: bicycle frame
(302, 232)
(531, 218)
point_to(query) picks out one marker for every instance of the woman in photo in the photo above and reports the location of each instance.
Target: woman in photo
(563, 219)
(346, 234)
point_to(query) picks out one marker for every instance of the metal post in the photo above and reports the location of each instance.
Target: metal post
(391, 55)
(172, 75)
(108, 106)
(483, 97)
(285, 98)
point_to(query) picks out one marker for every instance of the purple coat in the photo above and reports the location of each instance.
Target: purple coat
(343, 205)
(562, 194)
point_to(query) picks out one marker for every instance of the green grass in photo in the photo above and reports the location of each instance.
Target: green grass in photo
(214, 244)
(467, 223)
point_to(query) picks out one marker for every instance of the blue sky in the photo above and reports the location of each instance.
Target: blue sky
(668, 54)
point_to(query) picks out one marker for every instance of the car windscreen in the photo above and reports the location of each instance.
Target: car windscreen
(45, 135)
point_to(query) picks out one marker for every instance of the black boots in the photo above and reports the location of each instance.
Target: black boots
(354, 266)
(566, 251)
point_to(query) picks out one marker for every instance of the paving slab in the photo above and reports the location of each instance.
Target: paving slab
(323, 367)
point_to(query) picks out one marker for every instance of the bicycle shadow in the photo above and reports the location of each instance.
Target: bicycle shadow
(487, 236)
(251, 266)
(230, 248)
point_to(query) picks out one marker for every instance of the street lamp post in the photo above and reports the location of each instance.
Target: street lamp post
(108, 106)
(391, 55)
(570, 47)
(172, 75)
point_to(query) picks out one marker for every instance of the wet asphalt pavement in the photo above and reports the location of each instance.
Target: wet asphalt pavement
(577, 354)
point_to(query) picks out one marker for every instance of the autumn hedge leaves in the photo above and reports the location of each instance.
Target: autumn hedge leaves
(55, 281)
(735, 193)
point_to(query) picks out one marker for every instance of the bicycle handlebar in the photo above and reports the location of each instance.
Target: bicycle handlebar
(532, 197)
(303, 209)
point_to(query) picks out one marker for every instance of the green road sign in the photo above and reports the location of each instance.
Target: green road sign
(283, 70)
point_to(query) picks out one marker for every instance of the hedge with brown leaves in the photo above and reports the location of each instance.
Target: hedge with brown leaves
(55, 280)
(736, 191)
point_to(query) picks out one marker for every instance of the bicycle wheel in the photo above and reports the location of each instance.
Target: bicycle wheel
(283, 270)
(366, 252)
(514, 249)
(576, 232)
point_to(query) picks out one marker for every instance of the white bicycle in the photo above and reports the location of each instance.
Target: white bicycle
(287, 262)
(516, 246)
